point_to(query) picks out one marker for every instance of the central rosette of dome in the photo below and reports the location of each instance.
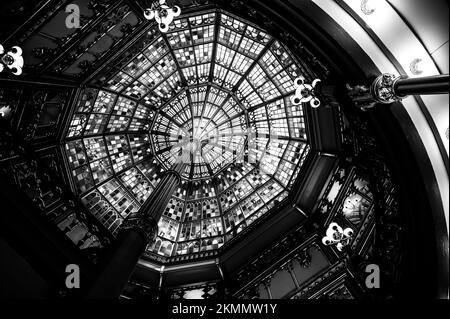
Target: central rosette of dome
(196, 138)
(204, 127)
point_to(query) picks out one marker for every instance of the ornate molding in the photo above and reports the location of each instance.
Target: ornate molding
(304, 258)
(174, 173)
(31, 174)
(145, 225)
(388, 235)
(383, 89)
(340, 293)
(361, 96)
(319, 280)
(209, 291)
(293, 247)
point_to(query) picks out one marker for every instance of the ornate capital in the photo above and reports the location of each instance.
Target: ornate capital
(383, 89)
(145, 225)
(176, 171)
(361, 96)
(304, 259)
(173, 173)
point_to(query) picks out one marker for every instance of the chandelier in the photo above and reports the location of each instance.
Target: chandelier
(337, 236)
(306, 93)
(162, 13)
(11, 60)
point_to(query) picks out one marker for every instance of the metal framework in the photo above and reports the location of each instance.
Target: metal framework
(215, 80)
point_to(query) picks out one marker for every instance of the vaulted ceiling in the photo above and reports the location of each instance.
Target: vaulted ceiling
(132, 98)
(110, 107)
(215, 90)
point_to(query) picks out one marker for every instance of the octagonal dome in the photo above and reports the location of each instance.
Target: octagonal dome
(215, 89)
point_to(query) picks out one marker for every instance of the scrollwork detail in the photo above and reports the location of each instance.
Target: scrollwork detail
(143, 224)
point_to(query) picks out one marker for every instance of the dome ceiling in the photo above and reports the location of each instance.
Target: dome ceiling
(213, 92)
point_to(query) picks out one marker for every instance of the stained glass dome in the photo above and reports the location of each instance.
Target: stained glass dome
(216, 86)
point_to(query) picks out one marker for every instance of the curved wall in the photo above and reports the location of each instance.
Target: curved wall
(390, 38)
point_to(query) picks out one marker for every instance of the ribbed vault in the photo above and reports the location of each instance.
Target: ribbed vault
(215, 93)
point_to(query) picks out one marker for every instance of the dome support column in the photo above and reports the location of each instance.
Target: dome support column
(137, 231)
(387, 89)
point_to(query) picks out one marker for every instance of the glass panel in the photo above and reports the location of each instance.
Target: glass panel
(220, 92)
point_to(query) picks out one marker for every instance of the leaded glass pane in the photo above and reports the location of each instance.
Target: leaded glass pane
(221, 89)
(101, 170)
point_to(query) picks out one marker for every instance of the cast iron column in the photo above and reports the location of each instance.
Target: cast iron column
(388, 88)
(422, 86)
(137, 231)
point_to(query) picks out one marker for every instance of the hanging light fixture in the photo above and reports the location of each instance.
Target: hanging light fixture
(11, 60)
(337, 236)
(306, 93)
(162, 13)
